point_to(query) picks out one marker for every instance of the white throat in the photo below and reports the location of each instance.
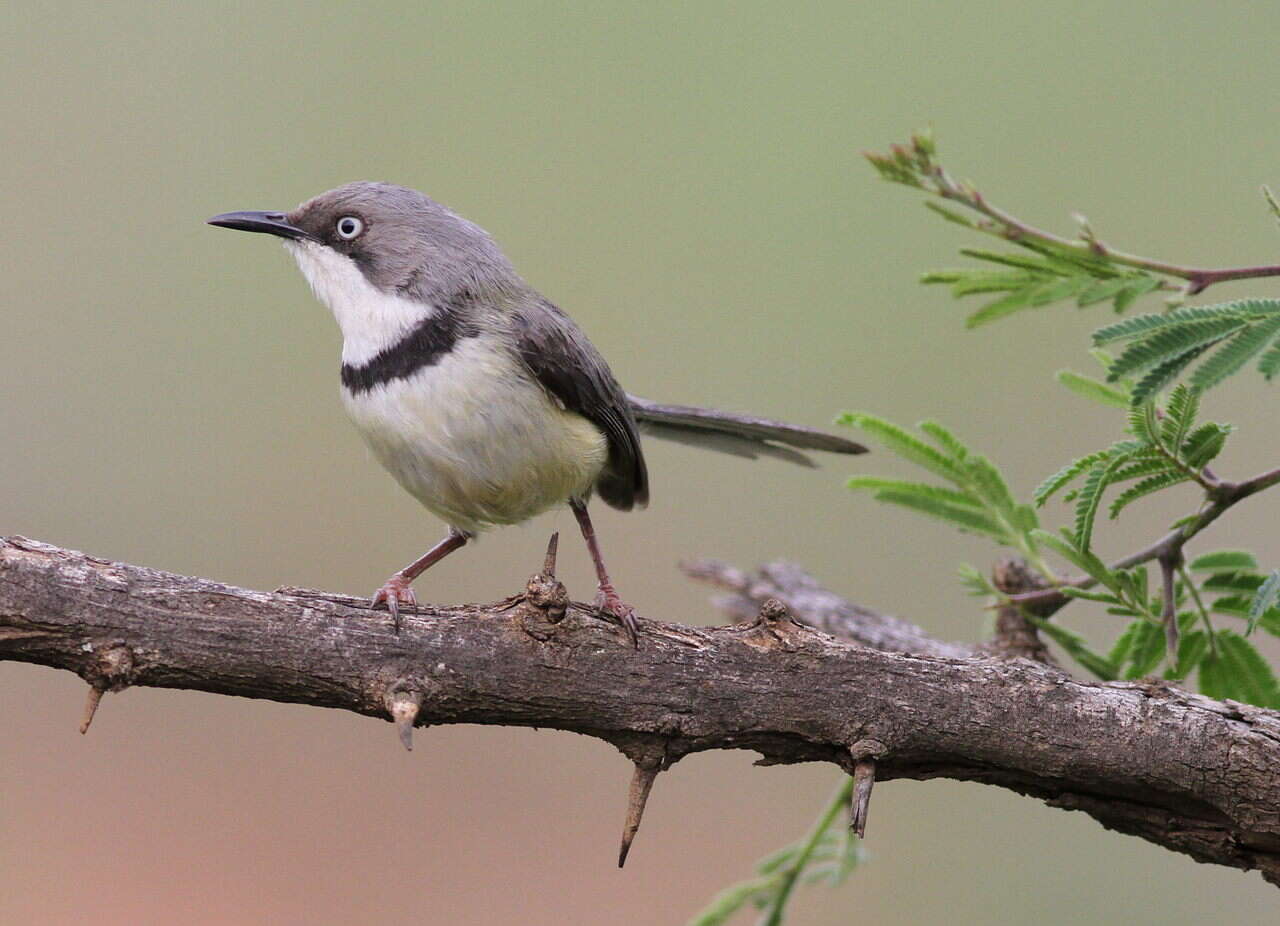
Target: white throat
(371, 320)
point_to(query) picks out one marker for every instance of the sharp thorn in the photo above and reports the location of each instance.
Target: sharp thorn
(91, 707)
(403, 706)
(864, 779)
(549, 564)
(641, 783)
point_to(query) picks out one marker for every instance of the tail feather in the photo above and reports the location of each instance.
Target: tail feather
(740, 435)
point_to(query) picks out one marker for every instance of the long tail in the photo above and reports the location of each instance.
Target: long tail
(740, 435)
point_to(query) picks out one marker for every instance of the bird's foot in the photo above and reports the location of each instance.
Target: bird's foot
(394, 593)
(610, 604)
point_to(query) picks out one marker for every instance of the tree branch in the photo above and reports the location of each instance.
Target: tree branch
(1180, 770)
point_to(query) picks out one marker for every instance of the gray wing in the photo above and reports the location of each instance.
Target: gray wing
(568, 366)
(741, 435)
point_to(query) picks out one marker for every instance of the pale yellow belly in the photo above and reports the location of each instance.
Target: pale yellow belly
(476, 441)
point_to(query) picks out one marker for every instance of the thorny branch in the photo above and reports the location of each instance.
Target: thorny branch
(1180, 770)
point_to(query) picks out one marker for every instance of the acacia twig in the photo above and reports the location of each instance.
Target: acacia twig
(1221, 497)
(919, 169)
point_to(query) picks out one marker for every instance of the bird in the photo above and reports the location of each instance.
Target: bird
(483, 399)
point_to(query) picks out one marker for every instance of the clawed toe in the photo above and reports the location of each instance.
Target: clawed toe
(609, 604)
(394, 593)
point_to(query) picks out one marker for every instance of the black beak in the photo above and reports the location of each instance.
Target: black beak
(272, 223)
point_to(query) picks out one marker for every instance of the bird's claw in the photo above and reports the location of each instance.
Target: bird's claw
(394, 593)
(610, 604)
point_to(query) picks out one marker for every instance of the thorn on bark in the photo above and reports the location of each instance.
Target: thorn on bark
(772, 611)
(641, 783)
(774, 621)
(403, 706)
(544, 591)
(865, 753)
(111, 671)
(91, 707)
(549, 564)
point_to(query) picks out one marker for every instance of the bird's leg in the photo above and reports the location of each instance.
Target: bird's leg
(607, 600)
(396, 591)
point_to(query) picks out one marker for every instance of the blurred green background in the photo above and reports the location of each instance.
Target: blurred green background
(685, 180)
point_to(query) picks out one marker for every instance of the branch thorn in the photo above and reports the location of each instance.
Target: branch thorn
(864, 754)
(111, 671)
(403, 706)
(91, 707)
(549, 565)
(641, 783)
(544, 591)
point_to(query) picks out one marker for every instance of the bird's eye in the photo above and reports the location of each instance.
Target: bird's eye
(349, 227)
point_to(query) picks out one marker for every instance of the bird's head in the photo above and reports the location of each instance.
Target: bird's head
(399, 241)
(384, 258)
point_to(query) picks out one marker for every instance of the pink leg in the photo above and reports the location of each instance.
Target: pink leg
(607, 599)
(396, 591)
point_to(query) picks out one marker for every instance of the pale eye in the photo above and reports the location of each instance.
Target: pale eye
(349, 227)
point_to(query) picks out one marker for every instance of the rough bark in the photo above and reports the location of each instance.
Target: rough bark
(1180, 770)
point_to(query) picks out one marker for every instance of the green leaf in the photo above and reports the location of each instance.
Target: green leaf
(1090, 595)
(1145, 650)
(990, 484)
(974, 581)
(1139, 287)
(1021, 261)
(1076, 647)
(1065, 475)
(1146, 324)
(1204, 444)
(1232, 582)
(1221, 560)
(1193, 646)
(924, 490)
(732, 899)
(1179, 415)
(966, 519)
(1238, 606)
(1235, 353)
(1068, 260)
(1143, 422)
(972, 282)
(1086, 562)
(1163, 374)
(905, 445)
(1266, 596)
(992, 311)
(949, 214)
(1144, 467)
(1234, 605)
(944, 439)
(1102, 290)
(1134, 581)
(1269, 365)
(1120, 650)
(1024, 518)
(1095, 483)
(1093, 390)
(1145, 487)
(1057, 290)
(1238, 672)
(778, 859)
